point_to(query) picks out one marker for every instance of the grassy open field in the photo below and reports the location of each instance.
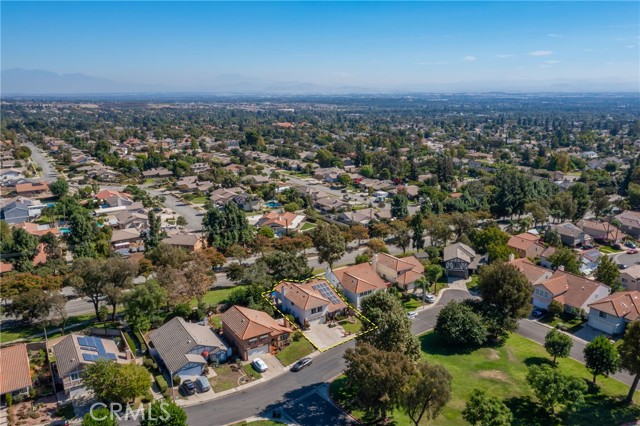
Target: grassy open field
(501, 371)
(214, 297)
(295, 351)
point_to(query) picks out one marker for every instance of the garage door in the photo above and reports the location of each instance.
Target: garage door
(260, 350)
(190, 372)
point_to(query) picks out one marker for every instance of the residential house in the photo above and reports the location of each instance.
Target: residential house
(328, 174)
(460, 260)
(185, 348)
(526, 245)
(589, 260)
(356, 282)
(20, 210)
(281, 223)
(189, 242)
(11, 174)
(535, 274)
(32, 189)
(161, 172)
(571, 235)
(222, 196)
(411, 191)
(74, 352)
(545, 255)
(630, 278)
(248, 202)
(127, 220)
(311, 302)
(574, 292)
(16, 374)
(254, 332)
(37, 229)
(603, 231)
(612, 314)
(330, 204)
(630, 223)
(362, 217)
(403, 272)
(125, 238)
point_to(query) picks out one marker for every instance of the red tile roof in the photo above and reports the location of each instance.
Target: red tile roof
(625, 304)
(14, 365)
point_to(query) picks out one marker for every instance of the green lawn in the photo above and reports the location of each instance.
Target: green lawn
(9, 334)
(572, 322)
(501, 371)
(251, 372)
(295, 351)
(199, 200)
(412, 304)
(473, 284)
(215, 297)
(307, 226)
(351, 327)
(609, 250)
(226, 378)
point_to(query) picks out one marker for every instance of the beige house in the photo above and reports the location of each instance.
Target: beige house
(402, 271)
(630, 278)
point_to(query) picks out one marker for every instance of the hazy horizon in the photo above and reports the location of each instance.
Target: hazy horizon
(326, 47)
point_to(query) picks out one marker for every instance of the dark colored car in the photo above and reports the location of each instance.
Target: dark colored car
(188, 387)
(538, 313)
(304, 362)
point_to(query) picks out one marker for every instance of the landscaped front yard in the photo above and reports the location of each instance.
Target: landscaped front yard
(227, 378)
(351, 324)
(295, 351)
(501, 371)
(216, 296)
(572, 322)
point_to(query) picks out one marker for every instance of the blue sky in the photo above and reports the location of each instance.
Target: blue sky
(337, 43)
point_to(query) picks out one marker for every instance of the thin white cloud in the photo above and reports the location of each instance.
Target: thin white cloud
(504, 56)
(551, 62)
(554, 35)
(631, 46)
(541, 53)
(470, 58)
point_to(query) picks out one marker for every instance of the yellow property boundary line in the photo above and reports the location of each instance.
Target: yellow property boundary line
(358, 314)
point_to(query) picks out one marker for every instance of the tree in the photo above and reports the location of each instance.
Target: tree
(152, 236)
(99, 417)
(376, 378)
(552, 237)
(377, 245)
(267, 231)
(417, 231)
(608, 273)
(428, 391)
(402, 237)
(181, 221)
(599, 202)
(59, 309)
(566, 257)
(88, 279)
(59, 187)
(558, 344)
(433, 273)
(118, 274)
(580, 194)
(113, 382)
(388, 328)
(32, 306)
(555, 308)
(23, 247)
(499, 252)
(344, 179)
(538, 212)
(506, 296)
(143, 303)
(458, 325)
(329, 243)
(288, 265)
(553, 387)
(226, 226)
(601, 357)
(492, 235)
(630, 356)
(485, 410)
(359, 232)
(82, 232)
(164, 413)
(399, 206)
(563, 206)
(439, 231)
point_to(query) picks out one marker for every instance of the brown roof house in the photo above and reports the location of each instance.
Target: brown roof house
(601, 230)
(281, 223)
(402, 271)
(184, 348)
(460, 260)
(571, 235)
(14, 366)
(254, 332)
(612, 314)
(526, 245)
(74, 352)
(630, 223)
(189, 242)
(32, 189)
(357, 282)
(573, 292)
(311, 302)
(535, 274)
(630, 278)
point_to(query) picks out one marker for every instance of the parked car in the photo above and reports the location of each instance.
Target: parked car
(412, 315)
(259, 365)
(622, 266)
(632, 251)
(538, 313)
(188, 388)
(430, 298)
(304, 362)
(630, 244)
(202, 383)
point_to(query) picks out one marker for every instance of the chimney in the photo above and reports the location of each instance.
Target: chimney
(286, 322)
(374, 262)
(511, 257)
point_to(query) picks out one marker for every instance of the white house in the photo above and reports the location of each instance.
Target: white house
(612, 314)
(312, 302)
(574, 292)
(357, 281)
(402, 271)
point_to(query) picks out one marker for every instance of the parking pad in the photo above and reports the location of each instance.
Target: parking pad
(314, 410)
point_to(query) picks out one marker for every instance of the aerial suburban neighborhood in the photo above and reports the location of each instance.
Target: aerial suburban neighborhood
(259, 252)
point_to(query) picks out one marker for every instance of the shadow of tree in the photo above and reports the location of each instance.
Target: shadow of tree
(538, 360)
(432, 344)
(528, 413)
(602, 410)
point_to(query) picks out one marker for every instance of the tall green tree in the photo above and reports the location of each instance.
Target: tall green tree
(552, 387)
(33, 305)
(113, 382)
(388, 327)
(329, 243)
(580, 194)
(630, 356)
(427, 393)
(164, 413)
(417, 231)
(399, 206)
(152, 236)
(288, 265)
(459, 326)
(118, 274)
(601, 357)
(566, 257)
(143, 303)
(485, 410)
(59, 187)
(558, 344)
(99, 417)
(608, 273)
(376, 378)
(88, 279)
(226, 226)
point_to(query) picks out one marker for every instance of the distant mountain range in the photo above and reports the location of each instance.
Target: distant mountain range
(39, 82)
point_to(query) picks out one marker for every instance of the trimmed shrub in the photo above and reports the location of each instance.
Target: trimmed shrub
(177, 380)
(162, 383)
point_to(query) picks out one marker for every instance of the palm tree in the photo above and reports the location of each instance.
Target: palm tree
(525, 224)
(423, 284)
(511, 227)
(433, 274)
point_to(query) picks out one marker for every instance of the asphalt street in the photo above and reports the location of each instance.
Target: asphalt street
(49, 173)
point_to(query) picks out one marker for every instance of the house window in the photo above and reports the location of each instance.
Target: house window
(74, 376)
(316, 310)
(265, 337)
(252, 341)
(602, 314)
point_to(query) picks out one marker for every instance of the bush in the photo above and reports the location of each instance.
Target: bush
(297, 336)
(8, 399)
(555, 308)
(167, 394)
(177, 380)
(162, 383)
(459, 325)
(32, 392)
(150, 364)
(147, 398)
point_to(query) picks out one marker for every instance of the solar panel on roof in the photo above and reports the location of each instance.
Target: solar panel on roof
(325, 291)
(82, 341)
(87, 357)
(100, 346)
(111, 355)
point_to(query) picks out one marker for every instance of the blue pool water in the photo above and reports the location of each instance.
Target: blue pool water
(273, 204)
(65, 230)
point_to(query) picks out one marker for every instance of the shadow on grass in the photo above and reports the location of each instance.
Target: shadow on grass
(602, 410)
(432, 344)
(528, 413)
(538, 360)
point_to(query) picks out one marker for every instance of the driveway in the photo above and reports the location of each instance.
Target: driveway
(324, 337)
(313, 410)
(274, 366)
